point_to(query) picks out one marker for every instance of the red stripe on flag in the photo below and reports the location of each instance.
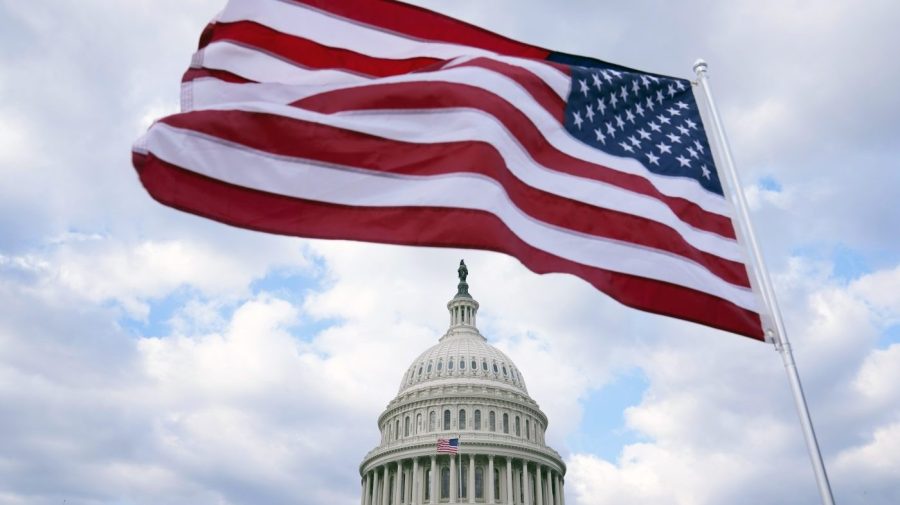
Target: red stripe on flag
(536, 87)
(436, 95)
(422, 24)
(222, 75)
(427, 226)
(310, 54)
(279, 134)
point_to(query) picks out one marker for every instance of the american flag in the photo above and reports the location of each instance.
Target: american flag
(450, 446)
(379, 121)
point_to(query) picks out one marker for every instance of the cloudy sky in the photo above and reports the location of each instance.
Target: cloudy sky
(151, 357)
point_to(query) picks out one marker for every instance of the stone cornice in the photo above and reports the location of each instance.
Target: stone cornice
(425, 447)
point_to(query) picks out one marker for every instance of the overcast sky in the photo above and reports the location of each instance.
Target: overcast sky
(151, 357)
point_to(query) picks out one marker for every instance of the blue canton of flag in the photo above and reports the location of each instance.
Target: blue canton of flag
(653, 119)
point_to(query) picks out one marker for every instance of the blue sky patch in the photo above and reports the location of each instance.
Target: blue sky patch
(602, 431)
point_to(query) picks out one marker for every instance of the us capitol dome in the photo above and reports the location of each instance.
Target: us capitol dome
(462, 388)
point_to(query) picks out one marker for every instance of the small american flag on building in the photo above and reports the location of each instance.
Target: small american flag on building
(450, 446)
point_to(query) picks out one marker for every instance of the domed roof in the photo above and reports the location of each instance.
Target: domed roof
(463, 355)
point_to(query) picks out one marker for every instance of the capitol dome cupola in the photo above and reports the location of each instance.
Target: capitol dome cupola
(463, 308)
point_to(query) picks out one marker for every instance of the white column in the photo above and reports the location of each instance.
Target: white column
(434, 479)
(396, 499)
(509, 483)
(407, 493)
(553, 499)
(557, 495)
(539, 483)
(562, 489)
(385, 486)
(453, 482)
(489, 495)
(365, 490)
(416, 498)
(471, 489)
(551, 487)
(526, 483)
(374, 496)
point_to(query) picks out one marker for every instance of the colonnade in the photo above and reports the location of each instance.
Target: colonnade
(403, 482)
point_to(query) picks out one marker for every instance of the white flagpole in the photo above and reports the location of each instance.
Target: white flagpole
(774, 329)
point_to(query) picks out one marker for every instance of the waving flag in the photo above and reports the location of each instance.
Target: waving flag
(379, 121)
(448, 445)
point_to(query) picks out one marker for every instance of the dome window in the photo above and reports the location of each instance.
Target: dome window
(462, 363)
(450, 364)
(429, 368)
(504, 371)
(495, 369)
(446, 419)
(440, 365)
(474, 365)
(420, 370)
(484, 365)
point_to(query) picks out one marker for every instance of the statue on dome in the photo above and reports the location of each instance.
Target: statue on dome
(462, 271)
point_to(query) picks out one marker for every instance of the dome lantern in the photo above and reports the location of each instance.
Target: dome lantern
(462, 307)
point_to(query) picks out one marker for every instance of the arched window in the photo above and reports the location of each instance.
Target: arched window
(479, 482)
(462, 363)
(450, 364)
(527, 430)
(440, 365)
(462, 419)
(432, 421)
(397, 430)
(406, 427)
(477, 419)
(474, 365)
(429, 368)
(496, 483)
(445, 482)
(518, 428)
(492, 421)
(427, 484)
(504, 371)
(446, 419)
(506, 423)
(484, 365)
(495, 368)
(418, 423)
(420, 370)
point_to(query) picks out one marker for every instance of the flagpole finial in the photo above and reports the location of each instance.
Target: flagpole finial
(700, 66)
